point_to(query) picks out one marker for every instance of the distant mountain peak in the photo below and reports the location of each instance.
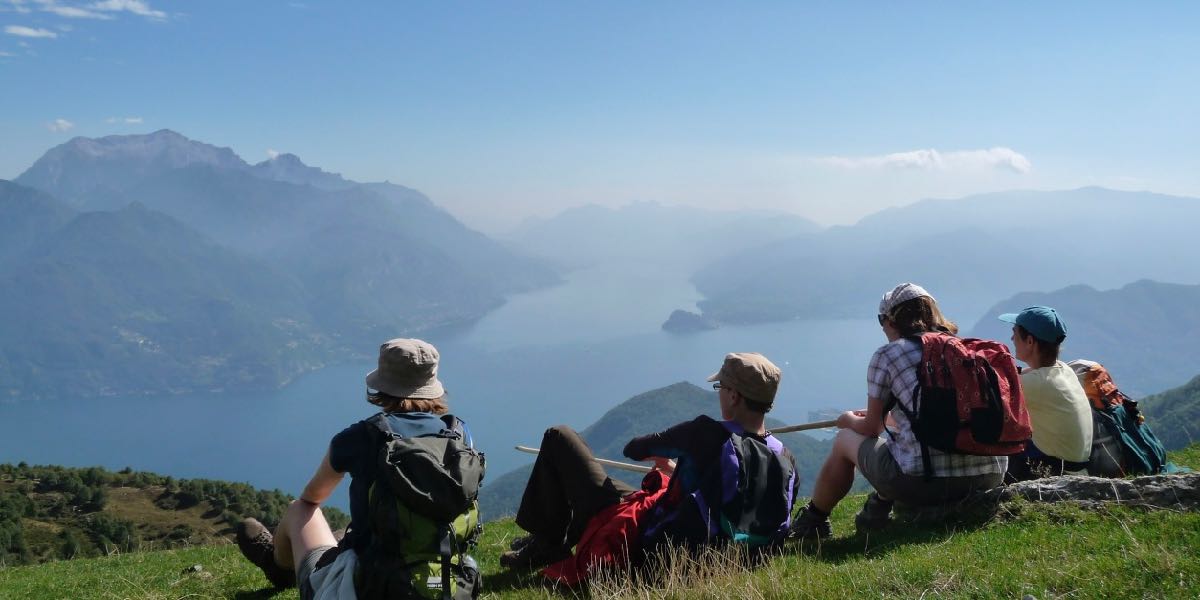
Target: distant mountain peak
(288, 168)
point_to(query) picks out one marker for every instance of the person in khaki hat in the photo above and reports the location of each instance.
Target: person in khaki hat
(412, 403)
(570, 497)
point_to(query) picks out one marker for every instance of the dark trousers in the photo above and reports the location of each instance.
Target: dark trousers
(1035, 464)
(566, 489)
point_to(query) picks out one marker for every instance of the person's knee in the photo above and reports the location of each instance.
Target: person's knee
(846, 445)
(558, 436)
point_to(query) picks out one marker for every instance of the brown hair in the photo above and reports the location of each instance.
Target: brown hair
(1047, 352)
(920, 315)
(393, 404)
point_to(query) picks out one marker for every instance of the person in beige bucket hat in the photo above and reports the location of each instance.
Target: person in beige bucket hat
(570, 499)
(406, 388)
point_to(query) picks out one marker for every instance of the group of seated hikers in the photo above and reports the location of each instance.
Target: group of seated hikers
(945, 417)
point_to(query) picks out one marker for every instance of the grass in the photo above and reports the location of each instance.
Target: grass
(1047, 551)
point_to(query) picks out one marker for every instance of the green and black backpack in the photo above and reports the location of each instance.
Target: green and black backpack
(423, 516)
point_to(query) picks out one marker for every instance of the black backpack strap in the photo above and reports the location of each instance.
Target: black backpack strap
(446, 551)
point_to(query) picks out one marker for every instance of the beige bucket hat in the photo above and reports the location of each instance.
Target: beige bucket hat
(407, 369)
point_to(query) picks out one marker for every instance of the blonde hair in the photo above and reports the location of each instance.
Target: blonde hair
(392, 404)
(920, 315)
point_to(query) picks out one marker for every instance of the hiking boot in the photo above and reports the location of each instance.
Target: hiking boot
(520, 542)
(876, 514)
(533, 553)
(257, 545)
(808, 526)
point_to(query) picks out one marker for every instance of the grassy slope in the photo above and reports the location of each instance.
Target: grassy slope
(1046, 551)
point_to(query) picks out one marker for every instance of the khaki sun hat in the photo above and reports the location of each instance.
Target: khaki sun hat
(407, 369)
(751, 374)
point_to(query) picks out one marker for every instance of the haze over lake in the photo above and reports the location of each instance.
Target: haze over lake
(560, 355)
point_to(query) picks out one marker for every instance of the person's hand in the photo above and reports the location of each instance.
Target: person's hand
(847, 419)
(666, 465)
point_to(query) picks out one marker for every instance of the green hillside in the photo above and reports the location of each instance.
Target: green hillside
(1040, 550)
(50, 512)
(647, 413)
(1175, 414)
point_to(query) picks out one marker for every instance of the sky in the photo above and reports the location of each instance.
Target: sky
(503, 110)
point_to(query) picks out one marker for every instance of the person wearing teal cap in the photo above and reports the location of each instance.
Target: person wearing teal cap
(1058, 407)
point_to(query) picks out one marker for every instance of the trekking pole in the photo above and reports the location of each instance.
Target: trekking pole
(806, 426)
(604, 461)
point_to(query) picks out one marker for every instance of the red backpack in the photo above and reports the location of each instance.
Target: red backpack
(968, 399)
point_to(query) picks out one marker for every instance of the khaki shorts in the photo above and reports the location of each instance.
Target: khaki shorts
(306, 568)
(876, 463)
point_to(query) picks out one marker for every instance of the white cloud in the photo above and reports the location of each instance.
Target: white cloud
(137, 7)
(133, 120)
(59, 125)
(29, 32)
(959, 160)
(271, 153)
(4, 54)
(70, 12)
(18, 6)
(111, 120)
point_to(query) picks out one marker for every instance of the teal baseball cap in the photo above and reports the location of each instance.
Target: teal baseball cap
(1041, 321)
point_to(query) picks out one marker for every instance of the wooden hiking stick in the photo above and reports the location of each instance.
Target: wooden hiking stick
(806, 426)
(604, 461)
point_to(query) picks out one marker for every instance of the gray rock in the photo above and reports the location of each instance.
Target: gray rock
(1179, 492)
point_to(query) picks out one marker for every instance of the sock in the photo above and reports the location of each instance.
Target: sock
(812, 508)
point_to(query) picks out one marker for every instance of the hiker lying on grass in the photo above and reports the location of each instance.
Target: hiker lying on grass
(303, 550)
(899, 467)
(1058, 407)
(692, 498)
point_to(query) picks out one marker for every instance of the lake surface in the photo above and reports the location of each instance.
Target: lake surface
(561, 355)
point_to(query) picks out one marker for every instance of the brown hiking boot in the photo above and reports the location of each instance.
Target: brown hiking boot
(876, 514)
(257, 545)
(808, 526)
(534, 552)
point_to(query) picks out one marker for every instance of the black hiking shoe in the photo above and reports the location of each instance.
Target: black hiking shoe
(808, 526)
(533, 552)
(520, 542)
(257, 545)
(876, 514)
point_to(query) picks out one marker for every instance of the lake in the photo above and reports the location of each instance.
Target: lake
(560, 355)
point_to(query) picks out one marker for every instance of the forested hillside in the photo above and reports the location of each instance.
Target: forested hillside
(1175, 414)
(52, 512)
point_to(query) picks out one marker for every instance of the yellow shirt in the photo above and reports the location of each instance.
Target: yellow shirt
(1059, 412)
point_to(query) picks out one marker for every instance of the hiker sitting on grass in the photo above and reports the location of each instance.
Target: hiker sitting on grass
(304, 550)
(1058, 406)
(570, 499)
(896, 466)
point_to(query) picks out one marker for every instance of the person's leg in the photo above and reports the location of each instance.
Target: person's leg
(302, 530)
(566, 488)
(837, 474)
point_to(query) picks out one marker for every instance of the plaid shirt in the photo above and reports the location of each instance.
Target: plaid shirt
(893, 374)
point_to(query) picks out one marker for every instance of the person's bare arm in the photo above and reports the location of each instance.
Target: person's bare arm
(322, 484)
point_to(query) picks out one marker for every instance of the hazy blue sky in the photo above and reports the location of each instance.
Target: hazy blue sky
(505, 109)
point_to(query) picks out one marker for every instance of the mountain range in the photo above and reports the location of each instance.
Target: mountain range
(968, 252)
(1145, 333)
(151, 263)
(677, 238)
